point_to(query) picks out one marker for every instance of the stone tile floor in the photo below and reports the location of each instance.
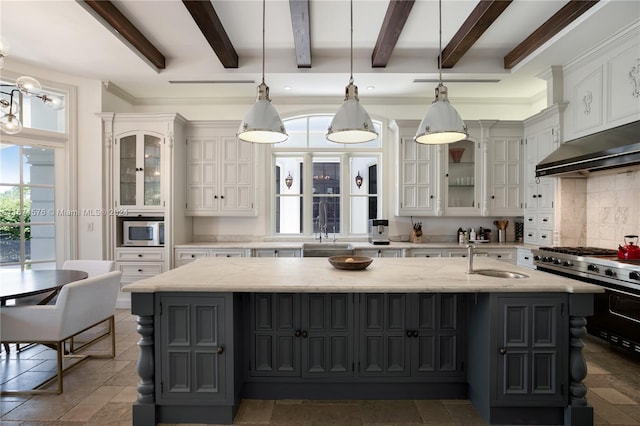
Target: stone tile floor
(101, 392)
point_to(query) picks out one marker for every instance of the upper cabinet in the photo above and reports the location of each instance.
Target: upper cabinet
(220, 171)
(138, 161)
(542, 136)
(481, 175)
(461, 170)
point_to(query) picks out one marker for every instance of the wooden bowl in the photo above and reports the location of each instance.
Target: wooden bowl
(351, 263)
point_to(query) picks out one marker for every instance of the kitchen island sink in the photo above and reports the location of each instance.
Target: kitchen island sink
(496, 273)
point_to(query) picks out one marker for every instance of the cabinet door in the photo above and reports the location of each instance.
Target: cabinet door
(202, 178)
(327, 335)
(506, 176)
(384, 349)
(275, 345)
(192, 346)
(435, 342)
(461, 190)
(138, 165)
(529, 336)
(417, 178)
(236, 175)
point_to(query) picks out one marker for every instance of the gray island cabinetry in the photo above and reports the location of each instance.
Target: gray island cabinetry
(219, 330)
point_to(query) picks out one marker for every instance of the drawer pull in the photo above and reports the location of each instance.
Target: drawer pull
(140, 255)
(193, 256)
(140, 270)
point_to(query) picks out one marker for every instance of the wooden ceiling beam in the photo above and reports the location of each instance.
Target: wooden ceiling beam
(206, 18)
(479, 20)
(301, 31)
(569, 13)
(394, 20)
(109, 15)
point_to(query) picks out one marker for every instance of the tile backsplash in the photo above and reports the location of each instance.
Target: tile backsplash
(601, 210)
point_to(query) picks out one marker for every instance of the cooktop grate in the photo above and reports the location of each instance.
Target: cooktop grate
(582, 251)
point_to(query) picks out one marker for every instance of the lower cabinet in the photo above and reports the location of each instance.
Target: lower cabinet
(192, 346)
(379, 252)
(409, 335)
(517, 356)
(308, 335)
(343, 335)
(277, 253)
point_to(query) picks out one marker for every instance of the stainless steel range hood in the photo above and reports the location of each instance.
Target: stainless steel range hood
(613, 148)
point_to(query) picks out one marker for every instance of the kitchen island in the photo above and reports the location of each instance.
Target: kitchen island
(222, 329)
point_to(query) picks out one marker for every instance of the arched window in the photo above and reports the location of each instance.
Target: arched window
(324, 188)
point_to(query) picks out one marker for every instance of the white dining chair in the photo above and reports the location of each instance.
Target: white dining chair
(81, 305)
(91, 267)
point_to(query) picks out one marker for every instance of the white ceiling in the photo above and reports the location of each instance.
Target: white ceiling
(63, 36)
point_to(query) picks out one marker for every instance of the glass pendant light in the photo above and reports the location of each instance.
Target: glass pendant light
(10, 124)
(442, 123)
(351, 124)
(262, 124)
(28, 85)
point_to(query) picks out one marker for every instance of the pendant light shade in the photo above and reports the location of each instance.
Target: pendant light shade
(351, 124)
(442, 123)
(262, 124)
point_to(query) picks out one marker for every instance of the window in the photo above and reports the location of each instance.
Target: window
(32, 112)
(340, 181)
(27, 207)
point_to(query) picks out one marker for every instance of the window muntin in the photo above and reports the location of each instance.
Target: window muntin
(27, 207)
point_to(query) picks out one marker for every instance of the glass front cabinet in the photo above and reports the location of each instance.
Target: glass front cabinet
(139, 170)
(462, 178)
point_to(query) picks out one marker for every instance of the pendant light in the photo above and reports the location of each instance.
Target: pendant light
(351, 124)
(442, 123)
(262, 124)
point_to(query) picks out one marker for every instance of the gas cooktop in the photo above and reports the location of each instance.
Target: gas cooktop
(582, 251)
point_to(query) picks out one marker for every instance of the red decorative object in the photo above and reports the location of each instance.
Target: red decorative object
(456, 154)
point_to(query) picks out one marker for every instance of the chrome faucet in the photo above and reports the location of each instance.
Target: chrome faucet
(470, 253)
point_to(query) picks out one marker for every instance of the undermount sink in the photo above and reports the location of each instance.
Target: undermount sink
(326, 249)
(500, 274)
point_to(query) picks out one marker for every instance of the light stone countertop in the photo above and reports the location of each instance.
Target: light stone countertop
(389, 275)
(355, 244)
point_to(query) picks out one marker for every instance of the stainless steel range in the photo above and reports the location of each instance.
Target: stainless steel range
(617, 311)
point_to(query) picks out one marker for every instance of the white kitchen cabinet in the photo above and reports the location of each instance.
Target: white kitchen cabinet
(138, 165)
(505, 176)
(417, 178)
(220, 171)
(144, 159)
(480, 176)
(542, 136)
(277, 252)
(379, 252)
(425, 253)
(462, 174)
(525, 257)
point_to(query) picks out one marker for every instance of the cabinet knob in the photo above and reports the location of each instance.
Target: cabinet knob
(216, 197)
(304, 334)
(193, 255)
(431, 196)
(298, 333)
(502, 351)
(415, 333)
(409, 333)
(140, 255)
(222, 196)
(535, 196)
(493, 197)
(220, 350)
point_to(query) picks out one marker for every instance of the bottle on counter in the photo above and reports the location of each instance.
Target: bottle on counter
(460, 236)
(480, 234)
(472, 234)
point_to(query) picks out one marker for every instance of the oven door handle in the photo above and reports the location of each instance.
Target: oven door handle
(612, 312)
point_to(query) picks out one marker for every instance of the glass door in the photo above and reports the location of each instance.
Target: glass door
(461, 183)
(152, 169)
(128, 169)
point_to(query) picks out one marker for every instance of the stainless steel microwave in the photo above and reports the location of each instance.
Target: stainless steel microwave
(142, 233)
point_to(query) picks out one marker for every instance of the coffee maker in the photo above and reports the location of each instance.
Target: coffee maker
(379, 231)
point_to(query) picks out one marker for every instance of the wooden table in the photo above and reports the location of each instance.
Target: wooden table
(17, 284)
